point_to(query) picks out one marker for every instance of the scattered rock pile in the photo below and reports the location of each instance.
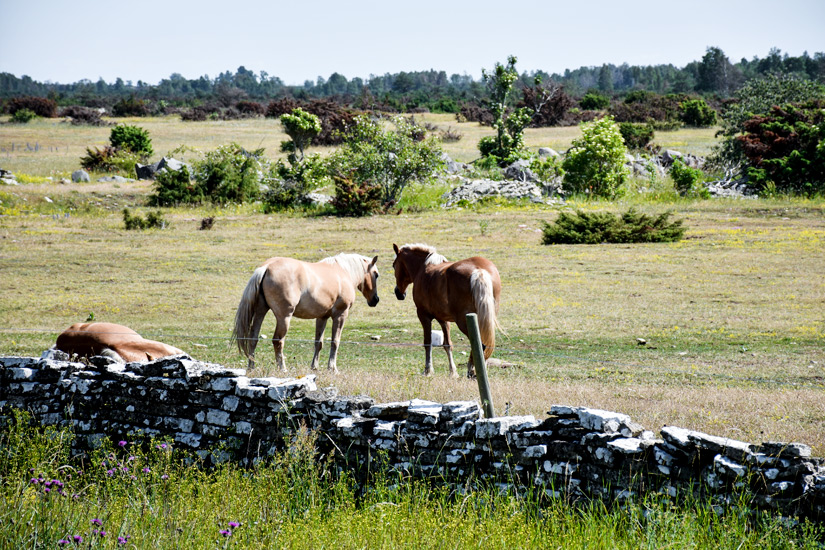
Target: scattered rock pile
(222, 414)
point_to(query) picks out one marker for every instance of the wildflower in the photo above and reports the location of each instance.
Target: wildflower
(110, 473)
(234, 524)
(162, 446)
(122, 443)
(97, 522)
(131, 458)
(62, 542)
(147, 470)
(77, 539)
(102, 533)
(164, 477)
(34, 481)
(123, 540)
(226, 532)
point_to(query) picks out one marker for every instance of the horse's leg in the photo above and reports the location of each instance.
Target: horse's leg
(278, 339)
(461, 323)
(427, 325)
(260, 313)
(320, 326)
(448, 347)
(337, 326)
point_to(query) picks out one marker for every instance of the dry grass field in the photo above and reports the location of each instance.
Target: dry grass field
(733, 316)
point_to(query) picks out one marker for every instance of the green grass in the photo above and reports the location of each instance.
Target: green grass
(294, 502)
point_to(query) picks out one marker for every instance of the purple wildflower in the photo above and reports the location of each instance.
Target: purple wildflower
(122, 443)
(102, 533)
(226, 532)
(147, 470)
(234, 524)
(62, 542)
(97, 522)
(77, 539)
(164, 476)
(34, 481)
(110, 473)
(123, 540)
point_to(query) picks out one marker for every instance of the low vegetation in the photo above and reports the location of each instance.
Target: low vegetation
(603, 227)
(138, 494)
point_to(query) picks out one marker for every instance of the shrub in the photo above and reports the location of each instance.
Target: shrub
(109, 159)
(289, 185)
(785, 149)
(335, 118)
(635, 135)
(548, 169)
(250, 108)
(22, 116)
(549, 104)
(474, 112)
(662, 111)
(507, 145)
(593, 101)
(697, 113)
(82, 115)
(354, 198)
(230, 174)
(173, 187)
(152, 220)
(390, 159)
(130, 106)
(41, 106)
(596, 162)
(687, 180)
(301, 127)
(604, 227)
(132, 139)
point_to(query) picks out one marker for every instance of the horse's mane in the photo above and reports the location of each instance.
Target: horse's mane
(433, 257)
(354, 264)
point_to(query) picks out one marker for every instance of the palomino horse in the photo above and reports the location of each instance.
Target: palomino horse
(292, 288)
(116, 341)
(448, 291)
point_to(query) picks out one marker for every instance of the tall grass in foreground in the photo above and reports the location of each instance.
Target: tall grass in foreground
(125, 495)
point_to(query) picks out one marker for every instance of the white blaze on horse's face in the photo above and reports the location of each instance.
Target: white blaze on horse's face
(369, 286)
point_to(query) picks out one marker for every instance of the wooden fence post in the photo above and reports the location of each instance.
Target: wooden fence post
(481, 366)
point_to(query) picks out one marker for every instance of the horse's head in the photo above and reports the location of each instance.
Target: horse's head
(369, 286)
(403, 279)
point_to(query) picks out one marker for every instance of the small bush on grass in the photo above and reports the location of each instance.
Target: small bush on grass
(687, 180)
(174, 187)
(604, 227)
(697, 113)
(132, 139)
(636, 135)
(110, 159)
(130, 106)
(152, 220)
(593, 101)
(41, 106)
(595, 164)
(353, 198)
(82, 115)
(23, 116)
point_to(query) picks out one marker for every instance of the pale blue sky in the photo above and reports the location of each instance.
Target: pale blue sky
(66, 41)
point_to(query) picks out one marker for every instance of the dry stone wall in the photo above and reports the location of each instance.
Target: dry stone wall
(221, 414)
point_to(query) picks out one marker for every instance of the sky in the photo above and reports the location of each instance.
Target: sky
(66, 41)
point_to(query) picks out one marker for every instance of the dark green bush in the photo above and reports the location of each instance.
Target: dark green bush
(785, 149)
(22, 116)
(353, 198)
(687, 180)
(152, 220)
(109, 159)
(230, 174)
(174, 187)
(594, 101)
(604, 227)
(131, 138)
(697, 113)
(636, 135)
(130, 106)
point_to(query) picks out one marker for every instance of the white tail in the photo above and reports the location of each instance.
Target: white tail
(245, 316)
(481, 284)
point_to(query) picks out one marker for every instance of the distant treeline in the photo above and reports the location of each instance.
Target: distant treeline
(713, 75)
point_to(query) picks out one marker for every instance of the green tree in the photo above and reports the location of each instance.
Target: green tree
(302, 127)
(596, 162)
(508, 143)
(389, 158)
(717, 74)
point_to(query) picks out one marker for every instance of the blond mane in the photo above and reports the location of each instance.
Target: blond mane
(433, 257)
(354, 264)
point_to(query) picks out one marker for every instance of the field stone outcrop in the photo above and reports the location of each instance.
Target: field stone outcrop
(577, 452)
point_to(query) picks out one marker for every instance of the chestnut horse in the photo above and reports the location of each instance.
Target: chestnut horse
(448, 291)
(292, 288)
(116, 341)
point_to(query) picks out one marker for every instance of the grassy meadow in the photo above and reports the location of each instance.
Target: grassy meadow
(732, 315)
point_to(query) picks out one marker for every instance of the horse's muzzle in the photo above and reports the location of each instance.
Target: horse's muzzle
(400, 295)
(374, 301)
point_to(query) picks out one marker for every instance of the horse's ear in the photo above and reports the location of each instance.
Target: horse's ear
(374, 261)
(395, 247)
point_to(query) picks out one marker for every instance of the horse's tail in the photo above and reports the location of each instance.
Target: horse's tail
(245, 316)
(481, 284)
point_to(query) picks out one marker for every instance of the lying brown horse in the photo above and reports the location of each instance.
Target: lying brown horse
(292, 288)
(448, 291)
(116, 341)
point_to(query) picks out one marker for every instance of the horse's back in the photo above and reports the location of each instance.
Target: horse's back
(309, 290)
